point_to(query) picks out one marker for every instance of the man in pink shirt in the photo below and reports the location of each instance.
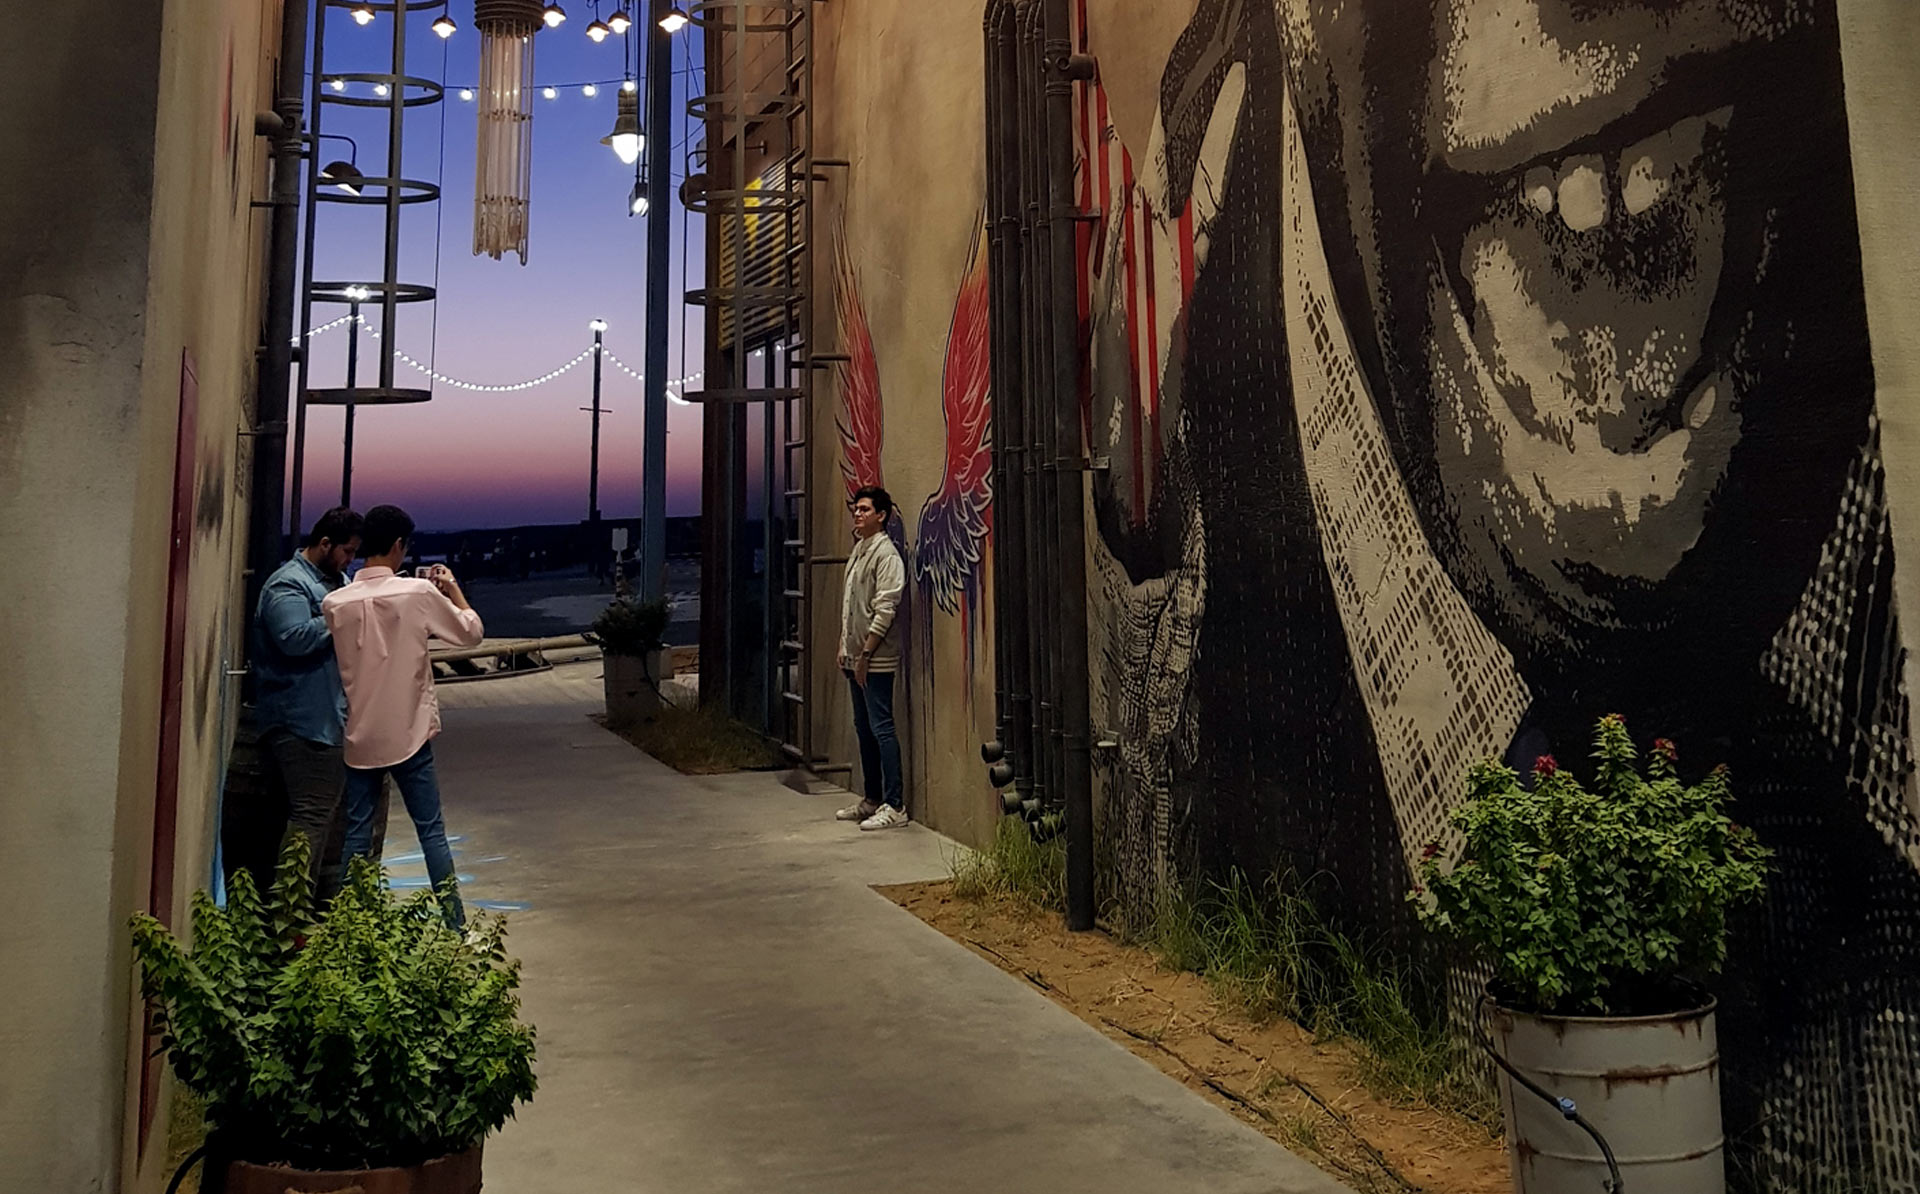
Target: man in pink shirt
(380, 624)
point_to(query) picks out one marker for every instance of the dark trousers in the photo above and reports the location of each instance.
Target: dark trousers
(312, 783)
(420, 788)
(879, 743)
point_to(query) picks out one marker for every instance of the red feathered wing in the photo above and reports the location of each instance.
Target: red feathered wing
(955, 520)
(859, 416)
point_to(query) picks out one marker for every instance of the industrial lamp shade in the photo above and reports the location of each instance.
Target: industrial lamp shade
(625, 139)
(445, 27)
(599, 31)
(619, 22)
(344, 175)
(675, 20)
(553, 15)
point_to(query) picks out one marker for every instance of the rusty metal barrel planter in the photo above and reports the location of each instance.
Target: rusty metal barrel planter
(1649, 1084)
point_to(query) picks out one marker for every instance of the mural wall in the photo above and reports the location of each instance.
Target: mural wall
(1475, 369)
(906, 281)
(1463, 370)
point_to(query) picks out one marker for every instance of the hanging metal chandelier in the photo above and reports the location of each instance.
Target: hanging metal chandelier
(503, 158)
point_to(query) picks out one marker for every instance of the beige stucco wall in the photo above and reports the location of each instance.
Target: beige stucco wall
(899, 92)
(128, 240)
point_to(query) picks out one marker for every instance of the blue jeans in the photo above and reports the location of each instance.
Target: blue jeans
(879, 744)
(421, 790)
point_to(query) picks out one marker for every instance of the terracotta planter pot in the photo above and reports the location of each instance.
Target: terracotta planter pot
(456, 1174)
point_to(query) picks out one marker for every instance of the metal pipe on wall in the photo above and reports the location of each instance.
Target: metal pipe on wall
(267, 496)
(1013, 620)
(1069, 473)
(1038, 519)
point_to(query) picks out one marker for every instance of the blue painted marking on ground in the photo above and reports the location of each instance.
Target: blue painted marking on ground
(410, 881)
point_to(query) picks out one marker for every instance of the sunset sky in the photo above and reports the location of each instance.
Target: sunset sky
(496, 459)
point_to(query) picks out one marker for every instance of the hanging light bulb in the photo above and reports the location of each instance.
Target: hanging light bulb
(675, 20)
(589, 91)
(619, 22)
(466, 93)
(599, 31)
(625, 139)
(550, 92)
(630, 86)
(553, 15)
(444, 26)
(337, 84)
(358, 293)
(363, 14)
(381, 89)
(637, 202)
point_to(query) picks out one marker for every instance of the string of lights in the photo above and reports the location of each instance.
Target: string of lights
(678, 383)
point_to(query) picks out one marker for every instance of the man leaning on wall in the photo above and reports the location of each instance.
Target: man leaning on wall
(870, 656)
(300, 707)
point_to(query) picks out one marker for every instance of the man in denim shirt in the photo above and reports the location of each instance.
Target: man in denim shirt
(300, 707)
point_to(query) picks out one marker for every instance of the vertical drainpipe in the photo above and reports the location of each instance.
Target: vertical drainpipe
(1039, 508)
(1063, 69)
(1011, 624)
(266, 496)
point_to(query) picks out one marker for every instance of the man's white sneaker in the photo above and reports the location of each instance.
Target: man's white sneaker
(887, 817)
(859, 810)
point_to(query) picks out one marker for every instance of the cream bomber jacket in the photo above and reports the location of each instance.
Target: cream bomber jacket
(876, 580)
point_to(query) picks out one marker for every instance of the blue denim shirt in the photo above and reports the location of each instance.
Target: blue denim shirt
(296, 678)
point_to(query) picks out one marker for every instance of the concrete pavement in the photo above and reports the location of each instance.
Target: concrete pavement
(724, 1004)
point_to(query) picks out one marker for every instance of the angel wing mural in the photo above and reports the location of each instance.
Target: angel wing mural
(859, 417)
(957, 517)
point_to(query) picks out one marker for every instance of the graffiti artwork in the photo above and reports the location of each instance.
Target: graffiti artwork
(1472, 369)
(950, 549)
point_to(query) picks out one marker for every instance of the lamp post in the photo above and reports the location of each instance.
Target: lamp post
(355, 296)
(653, 459)
(599, 327)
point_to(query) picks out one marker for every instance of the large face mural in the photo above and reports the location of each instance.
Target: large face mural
(1473, 368)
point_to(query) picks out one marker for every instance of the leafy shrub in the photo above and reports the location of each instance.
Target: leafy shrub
(373, 1036)
(632, 627)
(1609, 902)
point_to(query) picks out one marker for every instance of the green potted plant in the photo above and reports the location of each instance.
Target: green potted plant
(1602, 912)
(371, 1047)
(635, 657)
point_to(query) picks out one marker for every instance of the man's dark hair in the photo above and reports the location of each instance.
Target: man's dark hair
(386, 526)
(881, 499)
(336, 526)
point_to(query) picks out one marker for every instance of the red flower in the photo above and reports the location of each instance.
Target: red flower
(1666, 749)
(1427, 852)
(1544, 765)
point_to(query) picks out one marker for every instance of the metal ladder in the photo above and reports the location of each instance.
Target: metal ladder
(777, 316)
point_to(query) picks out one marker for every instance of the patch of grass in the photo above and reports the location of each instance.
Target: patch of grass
(1267, 949)
(700, 741)
(1014, 866)
(186, 1127)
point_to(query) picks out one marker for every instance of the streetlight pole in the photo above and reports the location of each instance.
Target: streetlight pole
(653, 459)
(354, 295)
(599, 327)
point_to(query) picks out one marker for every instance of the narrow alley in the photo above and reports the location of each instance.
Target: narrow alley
(724, 1004)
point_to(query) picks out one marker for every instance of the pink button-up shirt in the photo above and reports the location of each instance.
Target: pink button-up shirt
(380, 624)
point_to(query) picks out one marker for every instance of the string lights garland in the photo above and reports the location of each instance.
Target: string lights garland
(678, 383)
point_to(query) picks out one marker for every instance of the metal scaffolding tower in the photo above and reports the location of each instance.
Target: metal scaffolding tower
(758, 197)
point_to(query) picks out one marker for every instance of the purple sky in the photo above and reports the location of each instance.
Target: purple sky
(495, 459)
